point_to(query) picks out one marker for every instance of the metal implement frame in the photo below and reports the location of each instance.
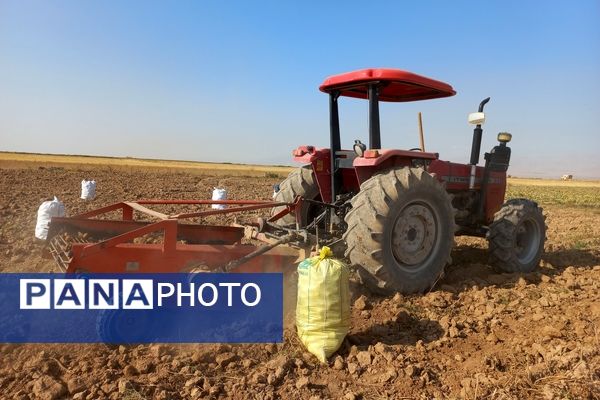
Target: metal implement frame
(206, 247)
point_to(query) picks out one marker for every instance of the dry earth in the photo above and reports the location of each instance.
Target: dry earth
(478, 334)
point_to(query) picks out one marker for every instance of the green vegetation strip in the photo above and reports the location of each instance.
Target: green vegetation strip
(568, 196)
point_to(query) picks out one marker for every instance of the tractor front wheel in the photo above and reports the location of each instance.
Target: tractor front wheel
(517, 236)
(400, 231)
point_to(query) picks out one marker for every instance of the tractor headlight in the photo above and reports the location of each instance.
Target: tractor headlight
(504, 137)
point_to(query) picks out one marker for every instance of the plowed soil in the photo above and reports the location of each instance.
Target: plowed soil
(478, 334)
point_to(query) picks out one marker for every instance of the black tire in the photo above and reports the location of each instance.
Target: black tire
(517, 236)
(119, 326)
(411, 208)
(300, 182)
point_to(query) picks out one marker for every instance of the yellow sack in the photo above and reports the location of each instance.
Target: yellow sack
(323, 307)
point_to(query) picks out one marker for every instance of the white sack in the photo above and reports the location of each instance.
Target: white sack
(219, 194)
(48, 209)
(88, 189)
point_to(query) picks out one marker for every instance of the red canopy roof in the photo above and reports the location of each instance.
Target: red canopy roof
(398, 85)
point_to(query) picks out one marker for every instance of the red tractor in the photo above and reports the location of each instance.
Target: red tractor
(396, 212)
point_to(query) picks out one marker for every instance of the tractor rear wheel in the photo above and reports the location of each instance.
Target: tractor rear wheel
(400, 231)
(517, 236)
(300, 182)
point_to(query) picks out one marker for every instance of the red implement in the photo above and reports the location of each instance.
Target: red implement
(166, 244)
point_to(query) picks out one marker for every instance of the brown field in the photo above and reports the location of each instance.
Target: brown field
(478, 335)
(33, 160)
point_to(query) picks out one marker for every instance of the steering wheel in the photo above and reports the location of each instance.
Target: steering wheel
(415, 149)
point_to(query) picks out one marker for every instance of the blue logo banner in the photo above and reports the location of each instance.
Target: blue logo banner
(141, 308)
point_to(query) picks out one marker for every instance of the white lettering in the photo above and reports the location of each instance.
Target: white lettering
(181, 293)
(201, 297)
(103, 294)
(243, 295)
(69, 294)
(138, 294)
(162, 294)
(34, 294)
(229, 286)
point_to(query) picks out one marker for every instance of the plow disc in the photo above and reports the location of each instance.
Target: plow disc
(91, 242)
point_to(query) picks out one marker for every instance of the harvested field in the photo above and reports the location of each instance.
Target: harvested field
(478, 334)
(114, 164)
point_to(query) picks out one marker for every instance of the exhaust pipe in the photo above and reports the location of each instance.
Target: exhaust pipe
(477, 118)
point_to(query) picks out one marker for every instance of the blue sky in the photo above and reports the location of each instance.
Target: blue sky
(237, 81)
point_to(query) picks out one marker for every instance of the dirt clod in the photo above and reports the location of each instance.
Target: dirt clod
(48, 388)
(225, 359)
(364, 358)
(130, 370)
(361, 303)
(338, 363)
(302, 382)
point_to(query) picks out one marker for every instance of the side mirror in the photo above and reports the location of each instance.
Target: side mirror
(359, 148)
(477, 118)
